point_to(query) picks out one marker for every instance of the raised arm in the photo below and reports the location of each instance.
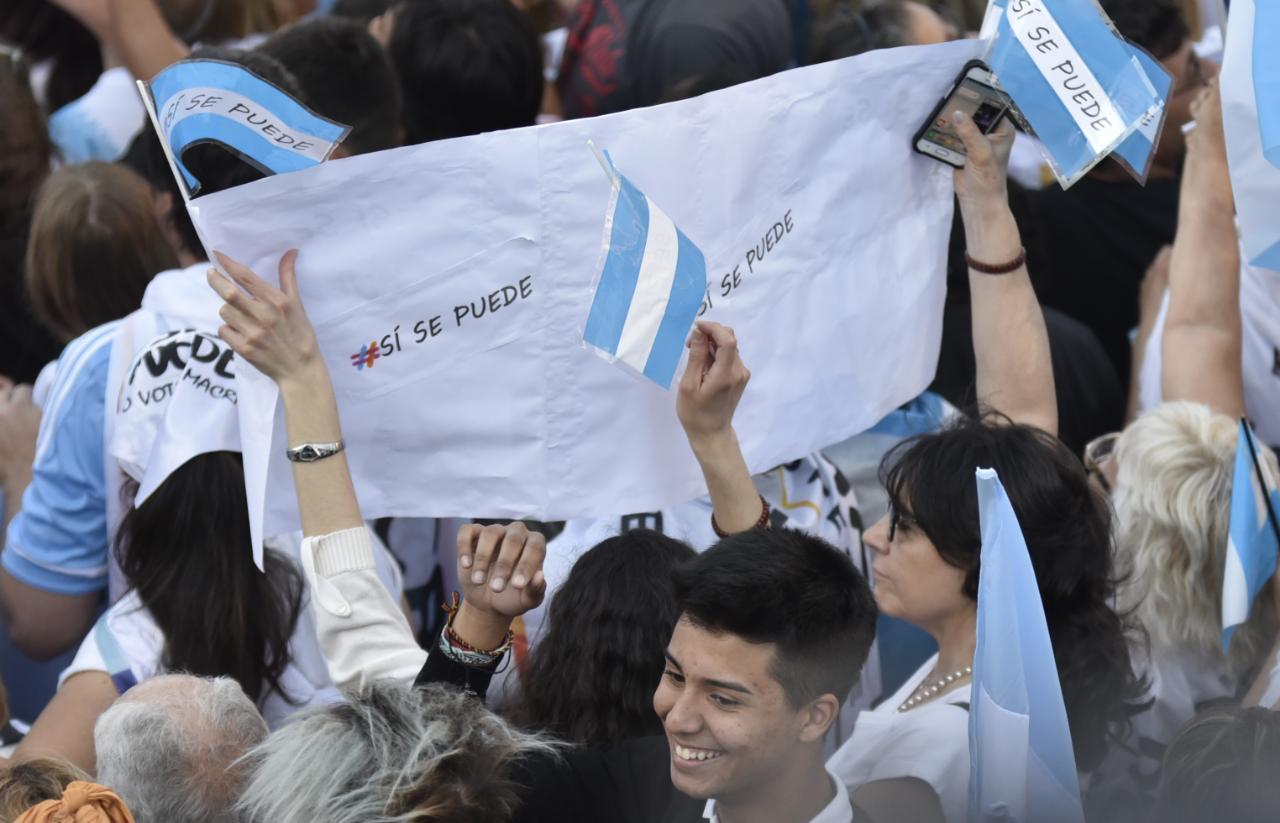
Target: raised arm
(1010, 342)
(709, 391)
(362, 631)
(133, 33)
(1200, 358)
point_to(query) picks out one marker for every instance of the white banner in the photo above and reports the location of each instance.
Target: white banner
(449, 283)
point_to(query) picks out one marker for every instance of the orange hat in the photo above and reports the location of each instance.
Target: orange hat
(81, 803)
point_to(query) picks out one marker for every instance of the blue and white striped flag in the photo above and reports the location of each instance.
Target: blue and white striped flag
(1251, 117)
(1075, 81)
(201, 101)
(1022, 764)
(1253, 538)
(651, 283)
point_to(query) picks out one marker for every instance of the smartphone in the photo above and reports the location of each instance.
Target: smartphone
(974, 93)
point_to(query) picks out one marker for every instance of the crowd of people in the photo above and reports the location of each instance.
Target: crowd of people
(797, 645)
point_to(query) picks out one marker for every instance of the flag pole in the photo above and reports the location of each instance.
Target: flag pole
(604, 163)
(1262, 480)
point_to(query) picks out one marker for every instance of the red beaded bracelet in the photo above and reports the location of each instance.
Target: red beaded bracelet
(1004, 268)
(759, 524)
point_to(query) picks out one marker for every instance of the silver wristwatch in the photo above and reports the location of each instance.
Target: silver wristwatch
(311, 452)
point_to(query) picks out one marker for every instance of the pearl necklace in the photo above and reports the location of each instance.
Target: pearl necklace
(924, 693)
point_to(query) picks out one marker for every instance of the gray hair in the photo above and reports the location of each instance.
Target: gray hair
(393, 754)
(170, 748)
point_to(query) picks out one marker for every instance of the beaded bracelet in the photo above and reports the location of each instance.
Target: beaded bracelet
(759, 524)
(1002, 268)
(450, 641)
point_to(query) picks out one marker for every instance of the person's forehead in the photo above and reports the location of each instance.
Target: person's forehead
(723, 656)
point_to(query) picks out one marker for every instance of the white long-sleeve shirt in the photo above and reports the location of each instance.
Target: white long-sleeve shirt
(362, 632)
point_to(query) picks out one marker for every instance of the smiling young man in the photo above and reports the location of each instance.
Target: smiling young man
(774, 628)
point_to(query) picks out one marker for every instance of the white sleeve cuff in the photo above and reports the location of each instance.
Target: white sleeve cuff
(345, 551)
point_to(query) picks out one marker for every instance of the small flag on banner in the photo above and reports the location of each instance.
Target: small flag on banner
(1250, 85)
(1253, 537)
(651, 283)
(1022, 764)
(1076, 82)
(201, 101)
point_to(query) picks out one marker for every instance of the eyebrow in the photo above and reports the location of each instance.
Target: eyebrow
(727, 685)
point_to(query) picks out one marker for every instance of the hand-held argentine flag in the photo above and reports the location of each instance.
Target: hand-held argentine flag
(1250, 85)
(202, 101)
(1076, 82)
(1253, 537)
(651, 283)
(1022, 764)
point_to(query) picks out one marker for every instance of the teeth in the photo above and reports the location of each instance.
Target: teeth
(695, 754)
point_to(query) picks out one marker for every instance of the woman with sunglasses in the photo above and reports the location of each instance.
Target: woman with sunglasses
(1169, 475)
(908, 759)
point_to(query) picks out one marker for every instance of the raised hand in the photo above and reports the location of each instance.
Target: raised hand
(265, 325)
(712, 385)
(983, 182)
(500, 568)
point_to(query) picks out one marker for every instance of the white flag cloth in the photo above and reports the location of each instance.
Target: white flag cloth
(448, 283)
(1251, 118)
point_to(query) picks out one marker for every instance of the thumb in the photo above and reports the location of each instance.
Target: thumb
(289, 273)
(977, 147)
(699, 354)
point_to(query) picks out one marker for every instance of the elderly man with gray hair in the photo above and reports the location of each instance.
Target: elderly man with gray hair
(169, 747)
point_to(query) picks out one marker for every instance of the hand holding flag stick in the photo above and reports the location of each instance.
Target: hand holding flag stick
(708, 395)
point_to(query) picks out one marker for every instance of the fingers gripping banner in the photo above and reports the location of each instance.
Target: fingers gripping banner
(448, 283)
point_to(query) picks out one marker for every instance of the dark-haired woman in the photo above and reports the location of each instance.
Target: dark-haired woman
(908, 759)
(590, 679)
(196, 601)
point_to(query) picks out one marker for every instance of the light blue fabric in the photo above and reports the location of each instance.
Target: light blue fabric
(1253, 532)
(58, 541)
(1015, 674)
(80, 138)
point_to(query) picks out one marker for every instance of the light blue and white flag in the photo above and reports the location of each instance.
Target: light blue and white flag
(1076, 82)
(1251, 117)
(203, 101)
(1022, 762)
(1139, 149)
(1254, 534)
(650, 286)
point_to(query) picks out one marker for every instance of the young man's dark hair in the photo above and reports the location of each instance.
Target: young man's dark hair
(465, 67)
(346, 76)
(1157, 25)
(790, 589)
(216, 168)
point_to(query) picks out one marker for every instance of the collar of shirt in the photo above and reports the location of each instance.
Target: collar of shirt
(839, 810)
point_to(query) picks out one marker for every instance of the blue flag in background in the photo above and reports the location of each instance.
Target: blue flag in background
(1252, 539)
(1250, 84)
(1076, 82)
(1022, 764)
(201, 101)
(1266, 76)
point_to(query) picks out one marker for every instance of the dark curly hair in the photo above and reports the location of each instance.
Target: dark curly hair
(591, 677)
(1067, 526)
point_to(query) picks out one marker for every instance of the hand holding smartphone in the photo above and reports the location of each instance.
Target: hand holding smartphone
(974, 93)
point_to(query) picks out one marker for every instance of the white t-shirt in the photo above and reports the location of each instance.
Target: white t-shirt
(127, 644)
(928, 743)
(1260, 318)
(839, 810)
